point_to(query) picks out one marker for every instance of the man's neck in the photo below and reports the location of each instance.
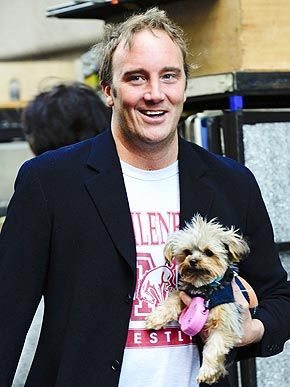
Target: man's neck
(147, 156)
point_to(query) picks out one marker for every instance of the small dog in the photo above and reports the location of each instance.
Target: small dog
(205, 252)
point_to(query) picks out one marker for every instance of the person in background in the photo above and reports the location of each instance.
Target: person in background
(92, 220)
(63, 115)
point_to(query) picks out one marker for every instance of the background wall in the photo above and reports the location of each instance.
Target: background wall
(26, 31)
(267, 155)
(36, 50)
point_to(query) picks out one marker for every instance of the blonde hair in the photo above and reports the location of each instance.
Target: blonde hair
(152, 19)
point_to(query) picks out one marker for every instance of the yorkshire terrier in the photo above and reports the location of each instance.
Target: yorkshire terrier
(206, 254)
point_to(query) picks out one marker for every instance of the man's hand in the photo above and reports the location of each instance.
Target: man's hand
(186, 299)
(253, 329)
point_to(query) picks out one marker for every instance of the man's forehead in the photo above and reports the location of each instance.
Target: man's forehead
(128, 40)
(144, 37)
(141, 41)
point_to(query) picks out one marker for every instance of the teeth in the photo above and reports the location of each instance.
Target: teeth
(153, 113)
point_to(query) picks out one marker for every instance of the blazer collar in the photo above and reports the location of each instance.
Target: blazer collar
(107, 190)
(196, 195)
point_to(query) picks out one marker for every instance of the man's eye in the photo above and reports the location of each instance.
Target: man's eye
(168, 77)
(136, 78)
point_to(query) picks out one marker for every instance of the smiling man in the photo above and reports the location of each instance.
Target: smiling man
(91, 221)
(147, 95)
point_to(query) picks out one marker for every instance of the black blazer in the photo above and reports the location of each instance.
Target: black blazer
(68, 235)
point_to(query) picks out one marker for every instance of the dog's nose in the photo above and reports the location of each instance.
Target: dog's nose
(192, 262)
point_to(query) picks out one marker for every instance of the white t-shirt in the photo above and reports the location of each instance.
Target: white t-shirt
(167, 357)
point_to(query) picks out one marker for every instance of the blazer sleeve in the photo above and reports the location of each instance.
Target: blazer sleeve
(24, 252)
(264, 271)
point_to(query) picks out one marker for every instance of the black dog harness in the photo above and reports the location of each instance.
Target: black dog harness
(218, 292)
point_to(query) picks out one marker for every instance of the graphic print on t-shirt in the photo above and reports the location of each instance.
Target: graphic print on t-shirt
(155, 279)
(154, 285)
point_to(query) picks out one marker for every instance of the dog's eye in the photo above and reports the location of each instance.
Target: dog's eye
(187, 252)
(208, 252)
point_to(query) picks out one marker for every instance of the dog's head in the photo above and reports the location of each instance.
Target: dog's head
(204, 250)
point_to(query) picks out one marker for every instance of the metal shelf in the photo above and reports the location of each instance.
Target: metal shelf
(258, 89)
(104, 10)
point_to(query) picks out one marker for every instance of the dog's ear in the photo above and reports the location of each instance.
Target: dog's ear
(236, 246)
(168, 251)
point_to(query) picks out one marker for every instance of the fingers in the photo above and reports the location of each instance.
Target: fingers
(253, 329)
(238, 295)
(186, 299)
(252, 297)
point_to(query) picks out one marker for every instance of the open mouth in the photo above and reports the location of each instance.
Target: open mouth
(153, 113)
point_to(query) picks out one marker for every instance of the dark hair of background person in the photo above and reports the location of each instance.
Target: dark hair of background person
(64, 115)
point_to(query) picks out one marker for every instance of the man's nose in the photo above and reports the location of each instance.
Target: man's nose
(154, 92)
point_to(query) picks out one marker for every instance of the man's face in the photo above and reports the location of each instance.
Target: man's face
(148, 89)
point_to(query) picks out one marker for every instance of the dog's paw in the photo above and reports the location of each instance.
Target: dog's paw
(153, 321)
(210, 375)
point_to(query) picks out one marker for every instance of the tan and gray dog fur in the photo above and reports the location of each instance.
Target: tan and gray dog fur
(203, 251)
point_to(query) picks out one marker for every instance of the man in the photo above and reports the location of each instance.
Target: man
(99, 215)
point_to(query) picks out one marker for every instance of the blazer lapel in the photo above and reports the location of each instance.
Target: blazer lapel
(196, 196)
(108, 192)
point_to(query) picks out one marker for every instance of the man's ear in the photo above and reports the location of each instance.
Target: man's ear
(185, 96)
(107, 90)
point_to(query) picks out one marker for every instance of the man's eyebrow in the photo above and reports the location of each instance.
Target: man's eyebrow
(134, 71)
(141, 70)
(173, 69)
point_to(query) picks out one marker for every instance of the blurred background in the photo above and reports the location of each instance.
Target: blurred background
(238, 100)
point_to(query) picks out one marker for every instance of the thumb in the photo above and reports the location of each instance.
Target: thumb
(185, 298)
(238, 295)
